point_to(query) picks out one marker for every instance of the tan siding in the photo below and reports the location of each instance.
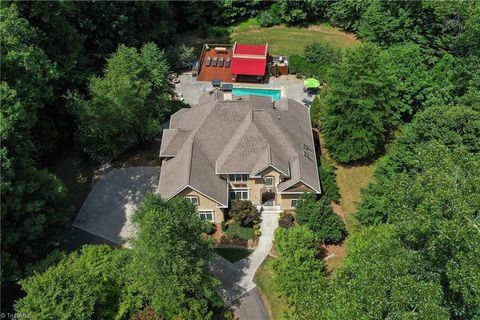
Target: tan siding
(205, 203)
(255, 185)
(286, 201)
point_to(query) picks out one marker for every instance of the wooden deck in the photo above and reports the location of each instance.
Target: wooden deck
(210, 73)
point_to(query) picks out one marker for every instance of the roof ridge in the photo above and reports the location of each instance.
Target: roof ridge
(235, 139)
(190, 164)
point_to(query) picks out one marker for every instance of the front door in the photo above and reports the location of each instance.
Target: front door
(268, 198)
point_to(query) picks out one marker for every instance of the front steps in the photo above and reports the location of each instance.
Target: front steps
(269, 209)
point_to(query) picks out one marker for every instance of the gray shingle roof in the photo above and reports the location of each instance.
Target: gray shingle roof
(241, 136)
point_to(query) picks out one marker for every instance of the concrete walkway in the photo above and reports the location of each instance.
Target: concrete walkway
(237, 278)
(108, 208)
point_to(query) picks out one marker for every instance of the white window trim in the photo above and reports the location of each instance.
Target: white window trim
(241, 190)
(235, 177)
(273, 181)
(206, 211)
(194, 197)
(297, 200)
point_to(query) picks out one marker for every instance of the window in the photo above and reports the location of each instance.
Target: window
(238, 177)
(206, 215)
(295, 202)
(241, 194)
(269, 181)
(193, 199)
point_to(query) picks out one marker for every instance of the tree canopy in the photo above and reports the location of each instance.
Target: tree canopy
(170, 258)
(133, 92)
(359, 106)
(319, 217)
(92, 283)
(33, 200)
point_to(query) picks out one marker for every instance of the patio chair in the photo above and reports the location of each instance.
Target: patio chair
(209, 60)
(220, 62)
(307, 102)
(227, 63)
(214, 62)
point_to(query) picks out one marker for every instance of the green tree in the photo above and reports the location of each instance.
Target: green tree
(328, 179)
(127, 104)
(170, 258)
(360, 106)
(107, 25)
(297, 270)
(244, 212)
(427, 188)
(34, 207)
(323, 54)
(348, 13)
(409, 66)
(452, 126)
(319, 217)
(301, 12)
(91, 284)
(382, 279)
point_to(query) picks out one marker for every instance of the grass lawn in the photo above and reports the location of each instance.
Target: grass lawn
(350, 180)
(283, 40)
(233, 254)
(264, 278)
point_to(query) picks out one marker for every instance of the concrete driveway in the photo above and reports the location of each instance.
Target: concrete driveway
(237, 286)
(108, 208)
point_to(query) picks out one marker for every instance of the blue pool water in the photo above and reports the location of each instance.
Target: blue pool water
(275, 94)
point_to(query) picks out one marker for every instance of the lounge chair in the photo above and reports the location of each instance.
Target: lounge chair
(214, 62)
(307, 102)
(227, 63)
(220, 62)
(209, 60)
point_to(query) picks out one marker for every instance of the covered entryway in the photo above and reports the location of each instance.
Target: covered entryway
(268, 198)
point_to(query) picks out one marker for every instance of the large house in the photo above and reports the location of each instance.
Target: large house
(249, 148)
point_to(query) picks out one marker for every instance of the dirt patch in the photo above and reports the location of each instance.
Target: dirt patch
(145, 154)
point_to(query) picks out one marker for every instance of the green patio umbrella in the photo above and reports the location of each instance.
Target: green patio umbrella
(311, 83)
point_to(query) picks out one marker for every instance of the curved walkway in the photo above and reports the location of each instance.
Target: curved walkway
(237, 278)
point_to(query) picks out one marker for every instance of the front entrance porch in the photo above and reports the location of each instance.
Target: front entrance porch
(268, 198)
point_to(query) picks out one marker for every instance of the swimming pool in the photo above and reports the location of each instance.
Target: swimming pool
(274, 93)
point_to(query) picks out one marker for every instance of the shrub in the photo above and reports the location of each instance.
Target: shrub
(244, 212)
(328, 179)
(322, 54)
(180, 57)
(218, 32)
(320, 218)
(296, 63)
(286, 220)
(268, 18)
(222, 225)
(228, 315)
(300, 66)
(210, 228)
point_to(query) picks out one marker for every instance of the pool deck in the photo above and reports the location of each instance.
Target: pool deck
(289, 86)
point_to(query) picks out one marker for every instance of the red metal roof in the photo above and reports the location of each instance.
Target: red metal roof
(255, 49)
(253, 67)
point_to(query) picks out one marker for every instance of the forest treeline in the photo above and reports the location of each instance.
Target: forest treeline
(89, 73)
